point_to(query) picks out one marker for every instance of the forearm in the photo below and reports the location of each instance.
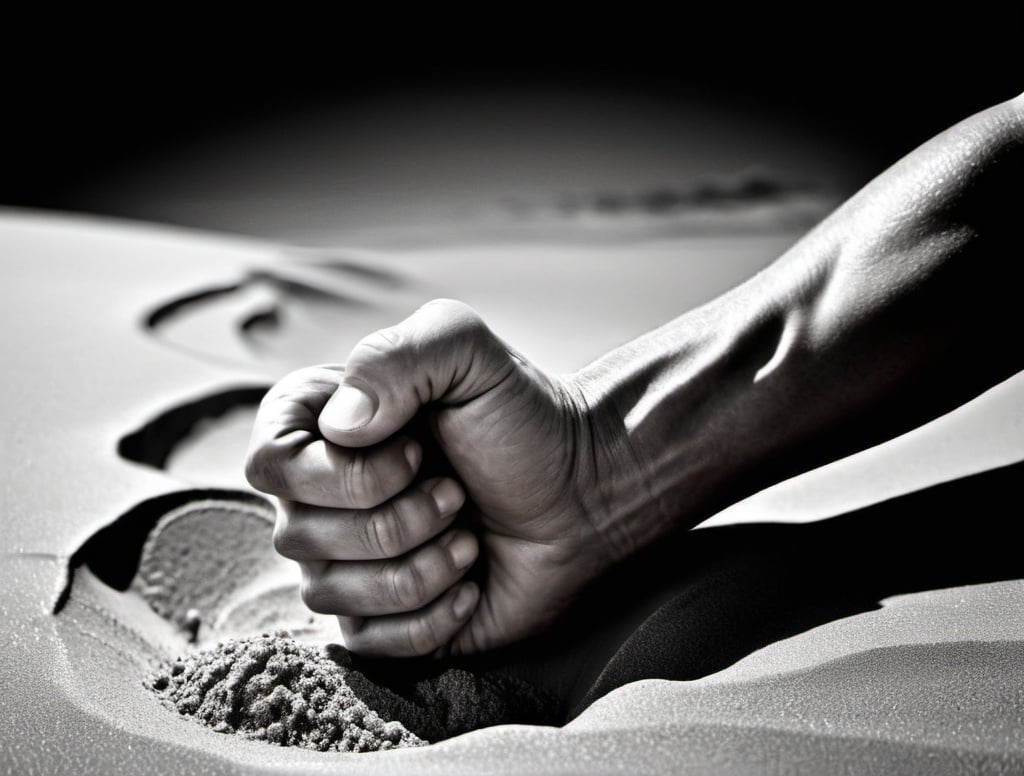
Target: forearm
(880, 319)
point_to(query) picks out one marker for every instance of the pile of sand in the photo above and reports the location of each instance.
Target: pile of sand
(273, 688)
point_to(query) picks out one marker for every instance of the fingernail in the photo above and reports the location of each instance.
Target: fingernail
(412, 455)
(463, 602)
(348, 409)
(448, 497)
(462, 550)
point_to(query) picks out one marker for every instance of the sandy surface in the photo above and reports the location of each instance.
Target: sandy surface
(133, 356)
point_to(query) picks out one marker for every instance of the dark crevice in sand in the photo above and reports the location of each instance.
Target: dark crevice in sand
(153, 443)
(702, 600)
(165, 311)
(438, 699)
(113, 552)
(297, 287)
(264, 318)
(711, 597)
(278, 279)
(286, 314)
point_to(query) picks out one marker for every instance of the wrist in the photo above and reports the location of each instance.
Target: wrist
(641, 428)
(672, 413)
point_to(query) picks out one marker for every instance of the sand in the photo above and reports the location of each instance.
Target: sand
(917, 669)
(272, 688)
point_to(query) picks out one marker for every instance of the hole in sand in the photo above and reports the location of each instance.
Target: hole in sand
(113, 553)
(198, 583)
(289, 315)
(216, 630)
(201, 441)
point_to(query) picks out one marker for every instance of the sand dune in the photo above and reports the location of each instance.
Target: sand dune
(134, 354)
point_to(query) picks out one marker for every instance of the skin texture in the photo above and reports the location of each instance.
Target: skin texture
(377, 549)
(875, 322)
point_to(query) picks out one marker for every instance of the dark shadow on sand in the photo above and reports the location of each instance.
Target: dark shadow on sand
(154, 441)
(691, 606)
(114, 551)
(704, 599)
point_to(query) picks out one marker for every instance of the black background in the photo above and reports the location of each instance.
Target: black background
(80, 102)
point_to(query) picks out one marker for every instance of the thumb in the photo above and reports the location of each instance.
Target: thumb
(441, 353)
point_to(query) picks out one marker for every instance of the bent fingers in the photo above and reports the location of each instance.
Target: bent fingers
(413, 634)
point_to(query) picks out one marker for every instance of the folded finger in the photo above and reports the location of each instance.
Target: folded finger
(415, 633)
(418, 514)
(404, 584)
(289, 458)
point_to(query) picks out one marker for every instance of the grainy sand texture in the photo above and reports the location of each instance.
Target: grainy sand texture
(137, 574)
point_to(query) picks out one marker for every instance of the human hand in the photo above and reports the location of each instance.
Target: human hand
(376, 541)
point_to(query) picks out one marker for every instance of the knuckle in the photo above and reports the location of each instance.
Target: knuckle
(463, 318)
(362, 483)
(407, 586)
(282, 539)
(422, 636)
(381, 341)
(471, 329)
(449, 307)
(314, 596)
(386, 534)
(461, 328)
(421, 502)
(257, 467)
(288, 542)
(300, 380)
(267, 468)
(352, 481)
(356, 641)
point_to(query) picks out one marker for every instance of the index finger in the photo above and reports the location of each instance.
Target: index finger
(289, 458)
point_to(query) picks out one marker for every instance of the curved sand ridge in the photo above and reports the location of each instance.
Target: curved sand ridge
(73, 693)
(276, 689)
(185, 572)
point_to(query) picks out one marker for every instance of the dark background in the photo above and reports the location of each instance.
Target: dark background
(79, 104)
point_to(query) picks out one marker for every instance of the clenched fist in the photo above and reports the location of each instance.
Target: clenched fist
(375, 540)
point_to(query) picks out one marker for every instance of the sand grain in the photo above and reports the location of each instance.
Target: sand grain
(275, 689)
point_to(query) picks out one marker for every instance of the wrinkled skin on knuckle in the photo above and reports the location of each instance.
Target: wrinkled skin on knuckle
(362, 483)
(385, 533)
(267, 464)
(386, 341)
(298, 382)
(300, 392)
(407, 585)
(379, 356)
(257, 467)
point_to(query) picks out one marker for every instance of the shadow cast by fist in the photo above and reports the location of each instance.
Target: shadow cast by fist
(703, 599)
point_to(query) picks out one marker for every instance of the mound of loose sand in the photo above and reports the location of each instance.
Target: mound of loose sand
(272, 688)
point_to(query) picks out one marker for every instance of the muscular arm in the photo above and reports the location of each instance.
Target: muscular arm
(898, 307)
(903, 304)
